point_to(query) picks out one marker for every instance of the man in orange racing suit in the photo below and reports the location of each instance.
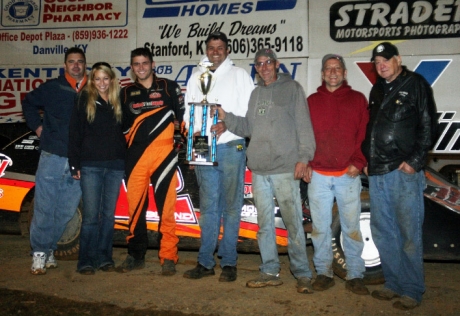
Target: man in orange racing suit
(150, 106)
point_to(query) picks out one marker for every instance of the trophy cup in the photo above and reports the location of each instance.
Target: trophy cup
(198, 151)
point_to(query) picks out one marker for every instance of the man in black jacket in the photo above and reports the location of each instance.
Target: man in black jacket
(401, 130)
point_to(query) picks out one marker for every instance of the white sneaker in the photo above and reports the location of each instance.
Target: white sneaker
(38, 263)
(51, 261)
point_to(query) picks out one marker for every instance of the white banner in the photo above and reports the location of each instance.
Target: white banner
(177, 29)
(40, 31)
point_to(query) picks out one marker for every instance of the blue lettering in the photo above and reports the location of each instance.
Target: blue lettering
(168, 70)
(185, 71)
(123, 71)
(294, 69)
(29, 73)
(216, 10)
(202, 9)
(49, 71)
(253, 72)
(162, 10)
(247, 8)
(233, 9)
(159, 70)
(185, 9)
(275, 5)
(14, 73)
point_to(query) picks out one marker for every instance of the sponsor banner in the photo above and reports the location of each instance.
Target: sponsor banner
(388, 19)
(177, 29)
(353, 28)
(16, 82)
(38, 31)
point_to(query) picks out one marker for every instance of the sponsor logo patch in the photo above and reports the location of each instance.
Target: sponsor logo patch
(5, 161)
(155, 95)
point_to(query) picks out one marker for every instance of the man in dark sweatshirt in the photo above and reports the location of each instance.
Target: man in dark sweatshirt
(339, 116)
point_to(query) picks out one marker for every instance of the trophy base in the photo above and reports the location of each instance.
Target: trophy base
(201, 163)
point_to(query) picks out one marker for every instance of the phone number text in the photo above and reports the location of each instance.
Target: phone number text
(278, 44)
(99, 34)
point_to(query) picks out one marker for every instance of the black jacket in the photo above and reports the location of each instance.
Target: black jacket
(402, 124)
(96, 142)
(56, 98)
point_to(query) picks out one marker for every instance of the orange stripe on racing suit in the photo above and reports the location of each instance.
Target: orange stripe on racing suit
(151, 159)
(157, 165)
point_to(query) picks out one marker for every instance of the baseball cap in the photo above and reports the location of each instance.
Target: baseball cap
(267, 52)
(217, 36)
(385, 49)
(334, 56)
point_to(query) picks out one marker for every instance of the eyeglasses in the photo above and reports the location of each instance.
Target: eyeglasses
(268, 62)
(101, 63)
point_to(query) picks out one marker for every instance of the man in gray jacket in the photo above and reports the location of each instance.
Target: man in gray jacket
(282, 143)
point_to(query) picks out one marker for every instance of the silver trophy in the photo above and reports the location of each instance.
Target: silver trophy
(198, 151)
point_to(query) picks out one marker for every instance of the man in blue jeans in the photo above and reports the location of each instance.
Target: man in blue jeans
(222, 186)
(401, 130)
(57, 194)
(282, 143)
(339, 116)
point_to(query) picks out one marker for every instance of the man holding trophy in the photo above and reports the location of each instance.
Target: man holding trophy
(217, 81)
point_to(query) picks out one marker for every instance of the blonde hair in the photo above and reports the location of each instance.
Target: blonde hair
(93, 94)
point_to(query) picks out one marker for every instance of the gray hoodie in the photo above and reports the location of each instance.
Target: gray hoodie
(278, 123)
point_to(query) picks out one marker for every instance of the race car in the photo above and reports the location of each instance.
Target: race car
(19, 156)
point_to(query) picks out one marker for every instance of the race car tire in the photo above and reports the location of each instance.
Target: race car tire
(25, 216)
(69, 244)
(373, 273)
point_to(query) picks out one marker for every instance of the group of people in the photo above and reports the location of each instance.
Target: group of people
(93, 134)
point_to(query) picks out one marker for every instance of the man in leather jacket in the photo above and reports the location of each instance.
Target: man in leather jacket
(401, 130)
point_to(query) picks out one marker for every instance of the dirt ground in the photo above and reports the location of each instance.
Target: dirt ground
(62, 291)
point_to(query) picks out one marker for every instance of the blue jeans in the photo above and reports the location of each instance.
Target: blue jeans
(221, 198)
(321, 193)
(57, 196)
(100, 188)
(397, 213)
(287, 193)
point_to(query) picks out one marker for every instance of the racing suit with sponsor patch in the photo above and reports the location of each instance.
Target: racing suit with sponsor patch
(148, 120)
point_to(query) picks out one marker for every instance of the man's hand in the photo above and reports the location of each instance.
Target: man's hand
(352, 171)
(365, 171)
(300, 170)
(218, 129)
(308, 173)
(219, 110)
(38, 131)
(406, 168)
(77, 176)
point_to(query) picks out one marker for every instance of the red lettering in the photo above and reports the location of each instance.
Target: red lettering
(7, 100)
